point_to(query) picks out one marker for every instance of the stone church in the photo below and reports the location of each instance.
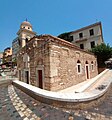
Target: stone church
(52, 63)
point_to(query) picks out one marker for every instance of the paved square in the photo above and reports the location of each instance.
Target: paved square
(16, 105)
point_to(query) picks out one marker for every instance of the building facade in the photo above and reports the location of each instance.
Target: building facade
(88, 37)
(7, 56)
(54, 64)
(1, 57)
(15, 49)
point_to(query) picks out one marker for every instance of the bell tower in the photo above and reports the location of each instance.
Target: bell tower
(25, 33)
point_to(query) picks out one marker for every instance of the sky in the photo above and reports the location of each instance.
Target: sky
(53, 17)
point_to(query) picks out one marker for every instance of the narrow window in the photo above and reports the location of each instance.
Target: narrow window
(92, 44)
(92, 66)
(80, 35)
(78, 67)
(26, 40)
(91, 32)
(71, 38)
(19, 42)
(81, 46)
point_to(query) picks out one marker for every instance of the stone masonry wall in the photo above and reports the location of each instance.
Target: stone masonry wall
(63, 66)
(58, 62)
(39, 59)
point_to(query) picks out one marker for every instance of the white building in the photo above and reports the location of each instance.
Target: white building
(88, 37)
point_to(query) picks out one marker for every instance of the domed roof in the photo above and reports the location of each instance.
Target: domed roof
(26, 23)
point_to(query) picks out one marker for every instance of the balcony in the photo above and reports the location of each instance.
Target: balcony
(77, 40)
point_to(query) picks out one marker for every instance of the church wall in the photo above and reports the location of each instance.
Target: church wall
(58, 63)
(39, 60)
(63, 66)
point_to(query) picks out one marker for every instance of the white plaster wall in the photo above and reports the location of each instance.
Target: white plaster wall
(97, 31)
(86, 34)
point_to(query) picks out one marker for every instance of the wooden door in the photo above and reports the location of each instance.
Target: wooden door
(40, 79)
(20, 75)
(27, 77)
(87, 72)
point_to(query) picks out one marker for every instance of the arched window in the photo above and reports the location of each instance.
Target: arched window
(19, 42)
(78, 61)
(86, 62)
(79, 67)
(92, 66)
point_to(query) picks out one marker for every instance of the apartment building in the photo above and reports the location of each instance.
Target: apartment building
(7, 56)
(88, 37)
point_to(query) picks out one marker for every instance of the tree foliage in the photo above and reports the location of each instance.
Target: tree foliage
(103, 53)
(66, 36)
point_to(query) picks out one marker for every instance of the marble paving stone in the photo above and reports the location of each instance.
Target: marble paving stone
(13, 101)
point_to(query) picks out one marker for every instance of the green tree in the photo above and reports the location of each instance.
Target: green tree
(66, 36)
(103, 53)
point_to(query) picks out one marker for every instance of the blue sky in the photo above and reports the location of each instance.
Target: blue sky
(53, 17)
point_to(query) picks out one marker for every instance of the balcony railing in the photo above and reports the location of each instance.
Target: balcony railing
(84, 38)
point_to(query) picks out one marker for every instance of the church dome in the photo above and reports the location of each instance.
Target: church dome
(26, 25)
